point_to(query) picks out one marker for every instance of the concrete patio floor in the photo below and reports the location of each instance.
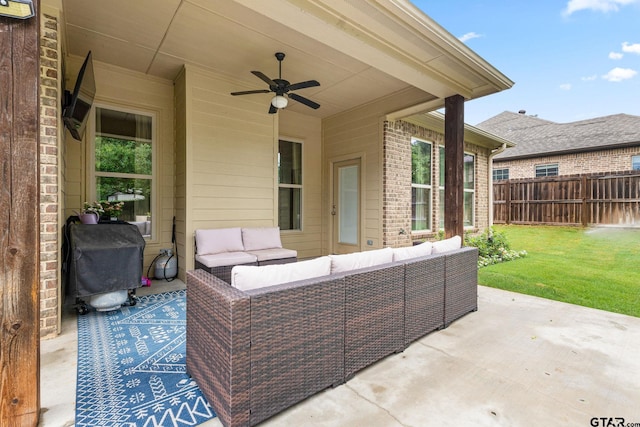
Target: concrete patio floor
(518, 361)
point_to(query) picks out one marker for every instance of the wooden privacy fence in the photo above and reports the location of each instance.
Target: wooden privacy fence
(612, 198)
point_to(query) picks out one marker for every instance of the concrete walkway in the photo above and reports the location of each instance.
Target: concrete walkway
(518, 361)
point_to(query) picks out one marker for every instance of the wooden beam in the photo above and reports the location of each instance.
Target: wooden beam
(19, 220)
(454, 166)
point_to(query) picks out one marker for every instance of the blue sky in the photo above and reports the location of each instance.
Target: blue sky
(570, 59)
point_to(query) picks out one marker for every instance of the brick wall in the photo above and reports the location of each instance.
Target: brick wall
(397, 182)
(49, 177)
(570, 164)
(482, 169)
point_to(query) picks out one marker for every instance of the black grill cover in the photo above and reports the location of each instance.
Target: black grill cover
(104, 258)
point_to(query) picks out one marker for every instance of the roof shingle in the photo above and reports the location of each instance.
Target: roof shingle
(537, 137)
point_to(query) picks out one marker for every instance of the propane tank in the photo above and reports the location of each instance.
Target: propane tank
(166, 265)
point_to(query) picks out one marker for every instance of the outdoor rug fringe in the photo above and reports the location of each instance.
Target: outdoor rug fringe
(131, 367)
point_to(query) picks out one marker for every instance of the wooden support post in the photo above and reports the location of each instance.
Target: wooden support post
(454, 166)
(19, 220)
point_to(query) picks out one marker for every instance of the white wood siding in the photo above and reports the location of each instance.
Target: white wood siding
(359, 133)
(119, 87)
(226, 177)
(301, 128)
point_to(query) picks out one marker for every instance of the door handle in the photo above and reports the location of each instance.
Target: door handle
(333, 210)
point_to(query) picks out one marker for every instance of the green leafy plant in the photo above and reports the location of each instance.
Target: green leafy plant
(93, 207)
(493, 248)
(112, 209)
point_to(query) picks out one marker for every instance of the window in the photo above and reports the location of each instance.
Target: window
(290, 185)
(420, 185)
(635, 163)
(469, 189)
(547, 170)
(123, 163)
(500, 174)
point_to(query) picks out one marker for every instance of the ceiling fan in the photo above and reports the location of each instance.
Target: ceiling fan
(281, 88)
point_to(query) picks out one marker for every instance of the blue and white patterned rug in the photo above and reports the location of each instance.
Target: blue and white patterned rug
(131, 367)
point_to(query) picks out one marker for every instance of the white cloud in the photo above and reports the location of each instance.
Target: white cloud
(631, 48)
(619, 74)
(469, 36)
(595, 5)
(589, 78)
(565, 86)
(615, 55)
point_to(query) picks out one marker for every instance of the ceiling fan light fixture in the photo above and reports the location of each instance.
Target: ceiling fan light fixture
(279, 101)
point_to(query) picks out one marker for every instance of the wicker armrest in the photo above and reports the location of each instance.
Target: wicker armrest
(374, 310)
(297, 342)
(461, 286)
(424, 296)
(218, 345)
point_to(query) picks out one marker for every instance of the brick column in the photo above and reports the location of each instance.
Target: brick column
(396, 220)
(50, 97)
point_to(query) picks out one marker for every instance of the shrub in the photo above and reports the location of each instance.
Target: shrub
(493, 248)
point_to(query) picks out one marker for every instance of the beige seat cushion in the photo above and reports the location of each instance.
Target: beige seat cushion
(255, 239)
(218, 240)
(354, 261)
(226, 258)
(251, 277)
(423, 249)
(447, 245)
(271, 254)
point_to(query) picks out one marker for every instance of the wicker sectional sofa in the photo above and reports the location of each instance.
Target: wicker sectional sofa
(256, 352)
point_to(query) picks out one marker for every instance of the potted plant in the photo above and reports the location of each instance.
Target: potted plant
(112, 210)
(90, 212)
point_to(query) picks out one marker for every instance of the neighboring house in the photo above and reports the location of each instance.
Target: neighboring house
(545, 148)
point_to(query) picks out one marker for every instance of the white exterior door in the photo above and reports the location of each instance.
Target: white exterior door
(345, 207)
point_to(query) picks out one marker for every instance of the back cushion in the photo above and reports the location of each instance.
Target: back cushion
(447, 245)
(348, 262)
(261, 238)
(249, 277)
(217, 240)
(416, 251)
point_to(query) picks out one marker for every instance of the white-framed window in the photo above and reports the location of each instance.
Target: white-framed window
(122, 156)
(290, 185)
(421, 168)
(635, 163)
(469, 189)
(547, 170)
(469, 196)
(501, 174)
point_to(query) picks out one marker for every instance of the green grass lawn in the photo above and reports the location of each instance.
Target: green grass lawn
(595, 267)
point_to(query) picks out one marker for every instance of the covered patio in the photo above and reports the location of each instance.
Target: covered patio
(517, 361)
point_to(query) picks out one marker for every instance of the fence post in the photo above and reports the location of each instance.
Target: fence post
(585, 207)
(507, 203)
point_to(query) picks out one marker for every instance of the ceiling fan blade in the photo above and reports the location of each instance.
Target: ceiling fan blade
(303, 85)
(249, 92)
(272, 109)
(305, 101)
(264, 78)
